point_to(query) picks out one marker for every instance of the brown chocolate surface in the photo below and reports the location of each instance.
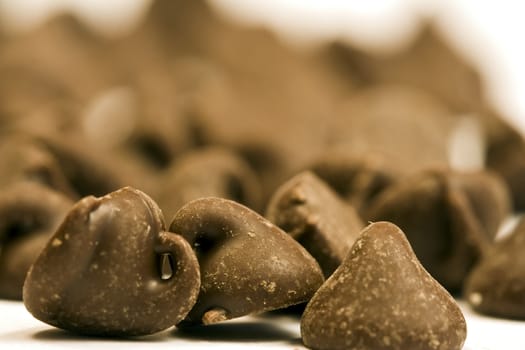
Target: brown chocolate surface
(112, 270)
(406, 128)
(429, 63)
(248, 265)
(358, 179)
(150, 109)
(29, 215)
(208, 172)
(496, 286)
(307, 209)
(382, 298)
(439, 222)
(24, 159)
(487, 195)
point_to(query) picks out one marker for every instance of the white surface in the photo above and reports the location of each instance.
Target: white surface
(19, 330)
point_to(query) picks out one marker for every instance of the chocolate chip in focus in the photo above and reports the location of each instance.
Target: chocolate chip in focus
(112, 270)
(248, 265)
(307, 209)
(382, 298)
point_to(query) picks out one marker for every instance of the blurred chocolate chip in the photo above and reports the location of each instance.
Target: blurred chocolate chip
(24, 159)
(506, 157)
(496, 286)
(29, 215)
(307, 209)
(122, 120)
(78, 74)
(382, 298)
(429, 63)
(208, 172)
(358, 179)
(88, 173)
(439, 222)
(248, 265)
(104, 270)
(487, 195)
(407, 129)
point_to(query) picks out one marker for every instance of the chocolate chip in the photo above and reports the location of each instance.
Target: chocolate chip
(316, 217)
(487, 195)
(496, 286)
(103, 273)
(23, 158)
(439, 222)
(382, 298)
(209, 172)
(506, 156)
(248, 265)
(29, 215)
(88, 173)
(429, 63)
(406, 128)
(356, 178)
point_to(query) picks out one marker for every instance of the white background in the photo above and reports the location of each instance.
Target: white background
(488, 33)
(19, 330)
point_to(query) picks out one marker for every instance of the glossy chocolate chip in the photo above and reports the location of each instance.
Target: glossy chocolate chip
(29, 215)
(111, 269)
(496, 286)
(439, 222)
(382, 298)
(248, 265)
(210, 172)
(307, 209)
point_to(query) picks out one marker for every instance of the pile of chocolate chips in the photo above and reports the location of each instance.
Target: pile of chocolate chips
(267, 162)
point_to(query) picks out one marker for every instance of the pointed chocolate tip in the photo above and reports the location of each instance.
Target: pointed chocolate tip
(382, 298)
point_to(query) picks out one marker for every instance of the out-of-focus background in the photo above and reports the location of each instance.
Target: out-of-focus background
(489, 34)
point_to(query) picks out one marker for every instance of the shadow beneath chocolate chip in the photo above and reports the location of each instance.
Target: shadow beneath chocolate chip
(237, 332)
(61, 335)
(293, 312)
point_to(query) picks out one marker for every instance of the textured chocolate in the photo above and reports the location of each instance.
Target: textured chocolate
(382, 298)
(112, 270)
(439, 222)
(307, 209)
(29, 215)
(209, 172)
(248, 265)
(496, 286)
